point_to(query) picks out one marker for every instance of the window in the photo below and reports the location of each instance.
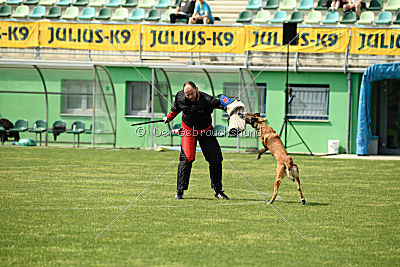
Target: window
(138, 98)
(77, 96)
(308, 102)
(262, 98)
(253, 98)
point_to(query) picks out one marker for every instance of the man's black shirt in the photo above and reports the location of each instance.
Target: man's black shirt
(197, 114)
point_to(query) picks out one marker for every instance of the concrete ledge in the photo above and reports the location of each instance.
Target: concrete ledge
(371, 157)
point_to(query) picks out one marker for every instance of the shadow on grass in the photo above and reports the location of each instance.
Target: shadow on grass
(223, 200)
(299, 202)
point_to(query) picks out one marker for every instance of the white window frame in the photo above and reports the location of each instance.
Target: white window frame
(308, 102)
(85, 94)
(130, 87)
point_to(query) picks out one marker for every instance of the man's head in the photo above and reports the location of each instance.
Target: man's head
(191, 91)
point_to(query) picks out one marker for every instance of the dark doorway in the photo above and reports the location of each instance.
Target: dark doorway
(386, 122)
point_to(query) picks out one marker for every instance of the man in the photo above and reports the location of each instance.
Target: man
(184, 10)
(354, 5)
(196, 126)
(336, 4)
(202, 14)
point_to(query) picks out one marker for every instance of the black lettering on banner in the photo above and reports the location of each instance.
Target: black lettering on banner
(391, 41)
(321, 39)
(201, 37)
(165, 39)
(79, 35)
(363, 36)
(64, 34)
(51, 35)
(333, 38)
(228, 36)
(276, 39)
(398, 41)
(217, 37)
(12, 33)
(99, 37)
(383, 45)
(173, 42)
(71, 38)
(126, 35)
(193, 38)
(268, 42)
(181, 38)
(256, 33)
(114, 35)
(24, 32)
(375, 44)
(305, 39)
(85, 39)
(154, 33)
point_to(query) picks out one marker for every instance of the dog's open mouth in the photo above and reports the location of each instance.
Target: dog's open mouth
(244, 117)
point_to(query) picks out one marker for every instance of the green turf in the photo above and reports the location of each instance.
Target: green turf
(55, 201)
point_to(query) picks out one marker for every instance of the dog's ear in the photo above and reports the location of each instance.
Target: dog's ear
(257, 114)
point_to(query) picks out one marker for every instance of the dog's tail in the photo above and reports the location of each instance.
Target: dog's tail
(292, 170)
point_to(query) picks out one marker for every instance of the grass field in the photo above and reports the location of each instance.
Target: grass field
(55, 201)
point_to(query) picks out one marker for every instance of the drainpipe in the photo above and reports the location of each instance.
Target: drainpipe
(348, 112)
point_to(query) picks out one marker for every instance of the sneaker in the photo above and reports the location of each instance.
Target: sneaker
(221, 195)
(179, 195)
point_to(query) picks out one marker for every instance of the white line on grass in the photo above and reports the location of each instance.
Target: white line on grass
(267, 201)
(30, 167)
(127, 206)
(254, 202)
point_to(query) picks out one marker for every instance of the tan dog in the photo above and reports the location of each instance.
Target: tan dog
(270, 140)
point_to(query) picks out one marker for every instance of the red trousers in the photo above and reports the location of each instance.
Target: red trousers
(211, 151)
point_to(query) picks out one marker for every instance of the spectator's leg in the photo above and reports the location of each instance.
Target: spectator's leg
(172, 18)
(188, 16)
(206, 20)
(358, 10)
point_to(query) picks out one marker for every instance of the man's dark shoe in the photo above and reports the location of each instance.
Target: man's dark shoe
(179, 195)
(221, 195)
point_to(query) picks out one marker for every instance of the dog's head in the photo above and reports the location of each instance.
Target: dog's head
(253, 119)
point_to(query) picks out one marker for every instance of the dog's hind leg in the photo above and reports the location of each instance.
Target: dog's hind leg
(303, 200)
(280, 174)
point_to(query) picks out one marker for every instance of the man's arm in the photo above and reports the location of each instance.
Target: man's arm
(175, 109)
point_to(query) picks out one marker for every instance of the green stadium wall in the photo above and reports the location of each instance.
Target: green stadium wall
(315, 133)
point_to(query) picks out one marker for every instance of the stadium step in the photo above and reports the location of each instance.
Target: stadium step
(228, 11)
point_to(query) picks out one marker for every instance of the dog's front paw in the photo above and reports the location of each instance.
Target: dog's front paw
(259, 156)
(303, 201)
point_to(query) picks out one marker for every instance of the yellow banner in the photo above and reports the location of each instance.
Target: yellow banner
(375, 41)
(193, 39)
(310, 40)
(124, 37)
(19, 34)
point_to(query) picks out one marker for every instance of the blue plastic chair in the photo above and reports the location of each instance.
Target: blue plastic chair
(64, 3)
(38, 12)
(384, 17)
(88, 13)
(331, 18)
(305, 5)
(114, 3)
(254, 5)
(279, 17)
(137, 14)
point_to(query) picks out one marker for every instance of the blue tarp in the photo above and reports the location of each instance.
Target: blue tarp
(372, 74)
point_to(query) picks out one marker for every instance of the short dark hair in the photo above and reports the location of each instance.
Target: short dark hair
(190, 83)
